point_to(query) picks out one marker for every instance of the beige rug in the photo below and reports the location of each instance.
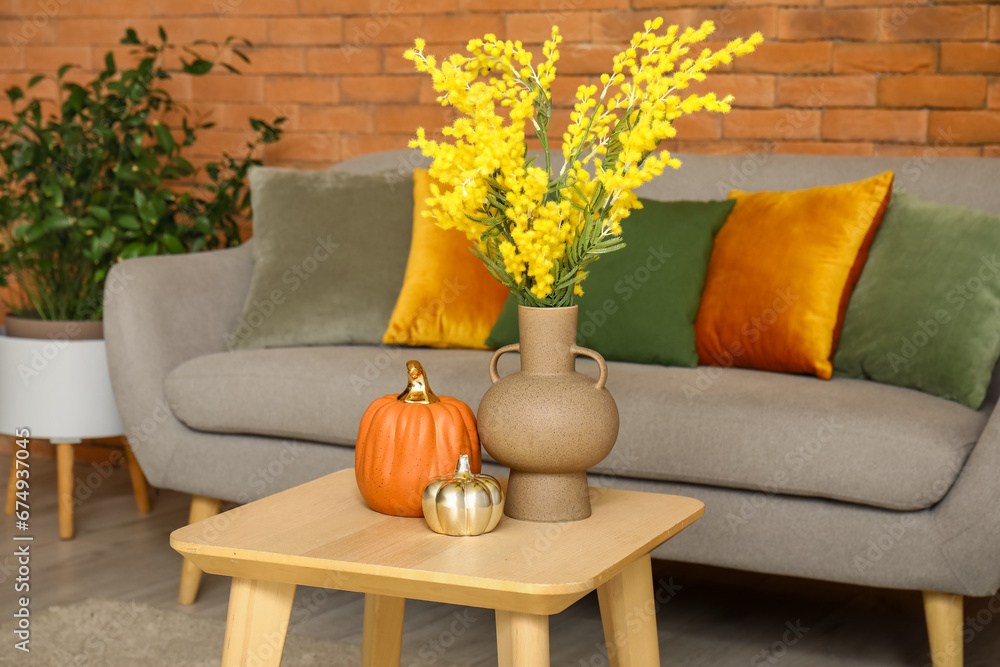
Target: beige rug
(110, 633)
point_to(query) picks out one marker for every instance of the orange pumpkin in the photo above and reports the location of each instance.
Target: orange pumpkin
(407, 440)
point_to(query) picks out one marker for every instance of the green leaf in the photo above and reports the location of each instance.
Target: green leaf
(131, 250)
(242, 56)
(14, 93)
(109, 63)
(139, 197)
(128, 222)
(198, 67)
(107, 237)
(172, 244)
(33, 81)
(130, 37)
(148, 213)
(61, 72)
(100, 213)
(56, 220)
(162, 33)
(164, 137)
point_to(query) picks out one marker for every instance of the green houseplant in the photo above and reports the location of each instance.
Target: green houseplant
(97, 176)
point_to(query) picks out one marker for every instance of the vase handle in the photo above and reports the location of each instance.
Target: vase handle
(601, 363)
(494, 375)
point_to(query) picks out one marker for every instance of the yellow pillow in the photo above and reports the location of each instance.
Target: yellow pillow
(448, 299)
(782, 271)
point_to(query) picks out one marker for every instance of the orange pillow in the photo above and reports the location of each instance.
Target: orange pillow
(448, 299)
(782, 271)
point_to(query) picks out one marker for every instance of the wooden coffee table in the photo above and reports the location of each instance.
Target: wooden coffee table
(322, 534)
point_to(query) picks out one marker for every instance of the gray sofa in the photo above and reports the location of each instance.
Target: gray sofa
(841, 480)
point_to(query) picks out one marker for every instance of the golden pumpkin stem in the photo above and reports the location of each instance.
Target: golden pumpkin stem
(418, 390)
(463, 469)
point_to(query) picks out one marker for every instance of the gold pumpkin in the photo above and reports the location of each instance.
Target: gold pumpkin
(463, 503)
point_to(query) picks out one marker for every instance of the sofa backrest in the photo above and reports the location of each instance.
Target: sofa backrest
(972, 182)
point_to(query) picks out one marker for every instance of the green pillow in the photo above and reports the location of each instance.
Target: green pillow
(640, 302)
(926, 311)
(330, 251)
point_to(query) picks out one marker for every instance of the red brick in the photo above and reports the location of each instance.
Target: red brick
(342, 7)
(748, 90)
(788, 58)
(566, 6)
(564, 88)
(823, 148)
(13, 61)
(213, 28)
(932, 91)
(722, 147)
(363, 144)
(965, 127)
(122, 8)
(312, 90)
(867, 3)
(994, 34)
(924, 151)
(281, 60)
(978, 58)
(535, 28)
(48, 59)
(874, 125)
(307, 146)
(461, 27)
(994, 94)
(336, 119)
(991, 151)
(344, 60)
(905, 22)
(215, 142)
(702, 125)
(826, 91)
(380, 88)
(237, 116)
(368, 30)
(322, 31)
(772, 124)
(884, 58)
(586, 58)
(408, 118)
(804, 24)
(410, 7)
(87, 31)
(228, 88)
(618, 27)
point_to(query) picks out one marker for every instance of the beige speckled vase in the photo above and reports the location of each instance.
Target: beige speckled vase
(547, 422)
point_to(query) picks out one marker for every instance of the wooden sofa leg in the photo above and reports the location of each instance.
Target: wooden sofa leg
(202, 507)
(139, 486)
(945, 627)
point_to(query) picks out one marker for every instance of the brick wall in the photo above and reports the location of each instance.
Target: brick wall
(835, 76)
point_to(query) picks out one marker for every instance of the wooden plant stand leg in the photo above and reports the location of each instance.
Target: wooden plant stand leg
(522, 639)
(257, 622)
(202, 507)
(139, 487)
(628, 613)
(945, 627)
(383, 634)
(8, 507)
(64, 476)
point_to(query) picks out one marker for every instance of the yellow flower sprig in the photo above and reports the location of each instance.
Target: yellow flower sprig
(537, 231)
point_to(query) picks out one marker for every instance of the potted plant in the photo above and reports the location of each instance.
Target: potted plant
(102, 177)
(95, 179)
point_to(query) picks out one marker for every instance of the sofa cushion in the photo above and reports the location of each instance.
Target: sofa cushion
(843, 439)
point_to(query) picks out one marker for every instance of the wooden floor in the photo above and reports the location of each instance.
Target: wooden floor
(708, 617)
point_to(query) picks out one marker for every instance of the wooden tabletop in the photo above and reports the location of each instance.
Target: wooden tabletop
(323, 534)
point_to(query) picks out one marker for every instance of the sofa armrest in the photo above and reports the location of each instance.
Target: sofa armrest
(158, 313)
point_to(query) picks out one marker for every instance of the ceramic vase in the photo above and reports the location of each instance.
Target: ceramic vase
(547, 422)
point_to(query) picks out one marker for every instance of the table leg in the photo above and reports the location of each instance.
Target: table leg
(383, 633)
(8, 507)
(628, 612)
(522, 639)
(139, 487)
(64, 476)
(257, 623)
